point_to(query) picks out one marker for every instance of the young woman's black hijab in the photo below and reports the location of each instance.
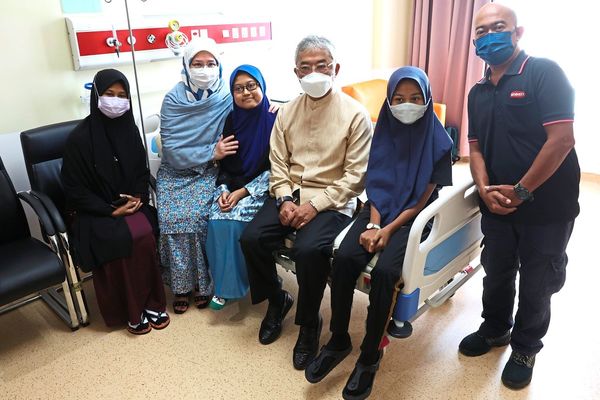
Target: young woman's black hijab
(103, 158)
(111, 156)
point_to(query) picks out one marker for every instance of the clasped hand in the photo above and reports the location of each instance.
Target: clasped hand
(131, 207)
(374, 240)
(500, 199)
(227, 201)
(296, 216)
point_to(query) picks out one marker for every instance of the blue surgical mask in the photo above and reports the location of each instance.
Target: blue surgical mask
(495, 48)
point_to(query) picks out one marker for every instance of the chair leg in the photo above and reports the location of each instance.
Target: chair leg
(70, 305)
(62, 305)
(76, 287)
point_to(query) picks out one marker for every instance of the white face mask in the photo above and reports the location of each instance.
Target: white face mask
(112, 106)
(204, 77)
(316, 84)
(408, 113)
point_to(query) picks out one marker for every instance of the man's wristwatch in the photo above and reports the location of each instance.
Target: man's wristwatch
(522, 192)
(371, 225)
(280, 200)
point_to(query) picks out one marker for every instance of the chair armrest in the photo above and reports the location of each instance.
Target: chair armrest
(40, 211)
(53, 213)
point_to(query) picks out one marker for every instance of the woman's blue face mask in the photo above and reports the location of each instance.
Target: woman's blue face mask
(495, 48)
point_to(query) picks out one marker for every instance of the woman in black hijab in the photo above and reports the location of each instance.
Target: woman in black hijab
(113, 228)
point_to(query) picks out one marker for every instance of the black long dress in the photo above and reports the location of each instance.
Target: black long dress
(103, 158)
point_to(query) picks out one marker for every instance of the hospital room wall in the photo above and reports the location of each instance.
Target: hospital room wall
(40, 85)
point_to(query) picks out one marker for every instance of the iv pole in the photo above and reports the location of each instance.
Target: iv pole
(137, 88)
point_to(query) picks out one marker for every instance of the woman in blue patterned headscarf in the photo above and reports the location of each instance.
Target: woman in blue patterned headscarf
(243, 183)
(192, 118)
(409, 161)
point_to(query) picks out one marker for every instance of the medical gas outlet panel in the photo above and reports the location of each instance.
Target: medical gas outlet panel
(98, 43)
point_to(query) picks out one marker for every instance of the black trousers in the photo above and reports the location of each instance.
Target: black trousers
(537, 252)
(350, 260)
(311, 253)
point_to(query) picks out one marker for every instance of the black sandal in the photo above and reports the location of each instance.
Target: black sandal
(181, 306)
(202, 301)
(337, 356)
(157, 319)
(350, 390)
(140, 329)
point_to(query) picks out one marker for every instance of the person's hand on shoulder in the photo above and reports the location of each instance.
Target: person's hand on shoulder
(273, 108)
(225, 147)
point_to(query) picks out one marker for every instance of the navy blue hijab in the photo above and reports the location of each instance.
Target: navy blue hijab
(402, 157)
(252, 128)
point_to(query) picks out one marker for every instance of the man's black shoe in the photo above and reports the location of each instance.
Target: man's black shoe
(270, 328)
(476, 344)
(307, 345)
(518, 370)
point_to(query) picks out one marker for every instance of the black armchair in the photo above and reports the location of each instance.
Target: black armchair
(43, 152)
(30, 269)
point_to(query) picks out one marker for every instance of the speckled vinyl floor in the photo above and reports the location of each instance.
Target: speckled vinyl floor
(216, 355)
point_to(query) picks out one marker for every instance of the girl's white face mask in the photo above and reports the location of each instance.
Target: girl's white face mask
(204, 77)
(408, 113)
(112, 106)
(316, 84)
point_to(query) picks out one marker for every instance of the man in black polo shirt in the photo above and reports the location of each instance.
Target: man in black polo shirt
(526, 170)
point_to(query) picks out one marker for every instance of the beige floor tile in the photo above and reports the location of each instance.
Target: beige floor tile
(216, 355)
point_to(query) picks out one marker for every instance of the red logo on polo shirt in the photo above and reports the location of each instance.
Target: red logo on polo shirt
(517, 94)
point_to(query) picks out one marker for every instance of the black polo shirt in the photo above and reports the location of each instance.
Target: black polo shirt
(508, 120)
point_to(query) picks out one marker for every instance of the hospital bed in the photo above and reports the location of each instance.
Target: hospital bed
(434, 269)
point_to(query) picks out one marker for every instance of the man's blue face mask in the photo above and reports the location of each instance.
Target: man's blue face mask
(495, 48)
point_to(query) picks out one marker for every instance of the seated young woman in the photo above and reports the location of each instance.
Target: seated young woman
(112, 226)
(242, 183)
(408, 163)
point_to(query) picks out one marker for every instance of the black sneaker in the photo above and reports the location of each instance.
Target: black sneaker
(518, 370)
(476, 344)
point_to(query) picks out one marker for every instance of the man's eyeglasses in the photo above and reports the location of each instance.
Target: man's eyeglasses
(322, 68)
(202, 65)
(250, 86)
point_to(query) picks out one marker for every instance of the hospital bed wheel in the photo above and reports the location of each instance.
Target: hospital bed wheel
(400, 332)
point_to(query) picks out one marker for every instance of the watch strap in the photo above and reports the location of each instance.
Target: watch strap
(280, 200)
(371, 225)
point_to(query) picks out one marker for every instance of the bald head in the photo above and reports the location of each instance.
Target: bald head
(494, 17)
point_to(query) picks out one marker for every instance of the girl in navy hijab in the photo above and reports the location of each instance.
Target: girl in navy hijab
(409, 161)
(242, 184)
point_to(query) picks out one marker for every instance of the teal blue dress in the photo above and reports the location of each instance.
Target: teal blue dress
(225, 258)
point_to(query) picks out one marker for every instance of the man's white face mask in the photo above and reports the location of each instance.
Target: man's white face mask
(316, 84)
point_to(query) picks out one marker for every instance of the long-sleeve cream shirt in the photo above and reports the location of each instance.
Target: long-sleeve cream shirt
(321, 147)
